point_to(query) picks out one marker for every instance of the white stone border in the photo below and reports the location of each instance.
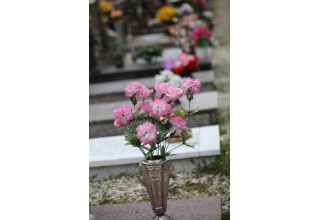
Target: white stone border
(112, 151)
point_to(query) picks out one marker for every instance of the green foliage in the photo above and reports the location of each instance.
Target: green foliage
(225, 215)
(148, 52)
(202, 42)
(221, 165)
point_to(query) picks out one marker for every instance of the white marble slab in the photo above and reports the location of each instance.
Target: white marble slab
(112, 151)
(206, 76)
(150, 39)
(206, 101)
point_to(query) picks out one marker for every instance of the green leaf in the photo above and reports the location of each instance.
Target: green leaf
(163, 151)
(189, 145)
(183, 137)
(144, 147)
(160, 136)
(153, 147)
(135, 142)
(136, 114)
(194, 112)
(148, 155)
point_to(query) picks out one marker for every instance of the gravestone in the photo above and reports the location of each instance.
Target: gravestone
(133, 70)
(109, 156)
(114, 91)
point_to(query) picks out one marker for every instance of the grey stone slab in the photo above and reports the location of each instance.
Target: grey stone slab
(112, 151)
(206, 208)
(206, 101)
(205, 77)
(134, 70)
(150, 39)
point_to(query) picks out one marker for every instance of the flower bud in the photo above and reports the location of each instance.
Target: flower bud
(133, 100)
(189, 94)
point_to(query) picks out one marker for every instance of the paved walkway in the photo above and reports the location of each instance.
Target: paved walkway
(208, 208)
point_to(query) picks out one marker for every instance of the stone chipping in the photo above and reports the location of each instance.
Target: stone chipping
(128, 189)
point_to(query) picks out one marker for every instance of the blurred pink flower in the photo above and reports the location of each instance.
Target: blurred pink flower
(161, 89)
(174, 93)
(146, 133)
(193, 84)
(178, 124)
(184, 59)
(136, 88)
(159, 108)
(201, 32)
(122, 115)
(183, 40)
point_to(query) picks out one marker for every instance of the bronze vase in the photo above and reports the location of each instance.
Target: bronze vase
(156, 174)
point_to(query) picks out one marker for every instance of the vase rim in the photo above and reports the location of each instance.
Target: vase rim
(154, 161)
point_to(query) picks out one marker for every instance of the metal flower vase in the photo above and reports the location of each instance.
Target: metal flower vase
(156, 174)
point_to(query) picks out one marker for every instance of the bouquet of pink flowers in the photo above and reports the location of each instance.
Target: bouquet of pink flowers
(150, 125)
(191, 32)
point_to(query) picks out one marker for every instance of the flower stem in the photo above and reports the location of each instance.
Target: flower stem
(175, 147)
(189, 115)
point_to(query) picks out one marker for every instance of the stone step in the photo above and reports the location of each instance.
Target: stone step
(134, 70)
(109, 156)
(206, 208)
(160, 39)
(113, 91)
(101, 115)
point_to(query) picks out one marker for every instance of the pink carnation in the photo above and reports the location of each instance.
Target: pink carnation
(187, 83)
(122, 115)
(136, 88)
(178, 124)
(159, 108)
(146, 133)
(174, 93)
(161, 89)
(144, 106)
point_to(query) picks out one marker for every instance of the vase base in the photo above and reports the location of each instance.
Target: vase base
(162, 217)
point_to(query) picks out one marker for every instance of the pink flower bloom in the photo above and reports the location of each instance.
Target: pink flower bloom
(144, 106)
(174, 93)
(201, 32)
(144, 93)
(178, 124)
(184, 59)
(159, 108)
(136, 88)
(161, 89)
(146, 133)
(183, 40)
(122, 115)
(193, 84)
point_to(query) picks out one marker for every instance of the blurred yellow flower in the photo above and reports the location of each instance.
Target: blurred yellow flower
(166, 14)
(105, 6)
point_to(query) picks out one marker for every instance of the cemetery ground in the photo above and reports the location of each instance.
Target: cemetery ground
(212, 179)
